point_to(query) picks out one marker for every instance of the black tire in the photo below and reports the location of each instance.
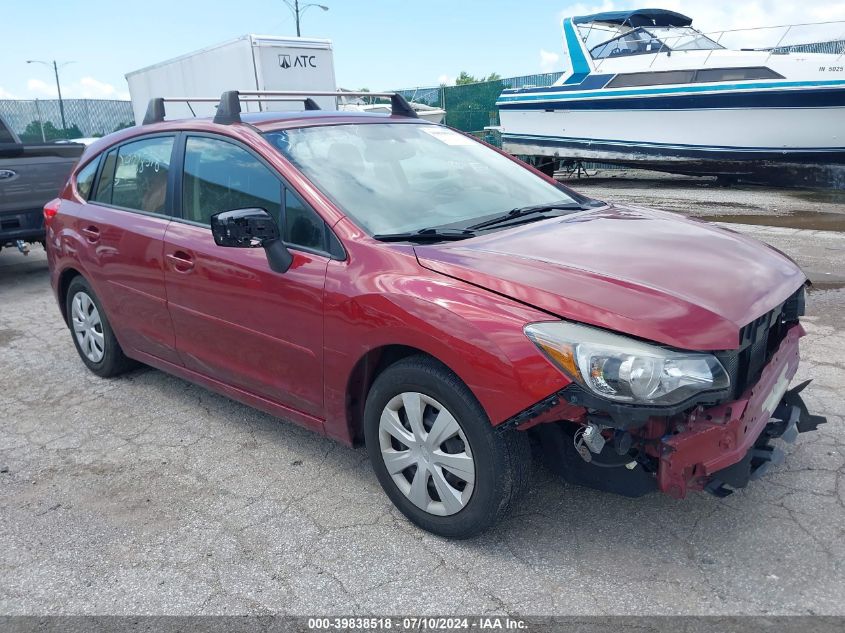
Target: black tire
(113, 361)
(502, 460)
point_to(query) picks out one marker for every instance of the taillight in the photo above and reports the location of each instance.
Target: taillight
(51, 209)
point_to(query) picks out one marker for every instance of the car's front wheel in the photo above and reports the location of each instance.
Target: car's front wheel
(435, 452)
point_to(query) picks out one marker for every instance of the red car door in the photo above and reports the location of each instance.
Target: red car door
(122, 227)
(236, 320)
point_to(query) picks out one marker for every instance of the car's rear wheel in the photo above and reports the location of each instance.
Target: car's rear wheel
(92, 335)
(435, 452)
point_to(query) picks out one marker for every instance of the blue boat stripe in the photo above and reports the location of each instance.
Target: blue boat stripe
(661, 91)
(590, 82)
(576, 55)
(618, 142)
(817, 98)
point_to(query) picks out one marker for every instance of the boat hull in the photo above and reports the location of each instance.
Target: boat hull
(770, 142)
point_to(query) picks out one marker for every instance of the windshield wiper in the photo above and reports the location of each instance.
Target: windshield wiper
(426, 235)
(521, 212)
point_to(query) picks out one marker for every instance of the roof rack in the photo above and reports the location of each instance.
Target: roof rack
(229, 110)
(155, 108)
(229, 103)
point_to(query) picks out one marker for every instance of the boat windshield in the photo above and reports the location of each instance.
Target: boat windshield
(641, 41)
(683, 38)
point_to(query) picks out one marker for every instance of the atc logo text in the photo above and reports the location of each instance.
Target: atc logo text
(299, 61)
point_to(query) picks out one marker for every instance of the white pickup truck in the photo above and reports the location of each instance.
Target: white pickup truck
(30, 176)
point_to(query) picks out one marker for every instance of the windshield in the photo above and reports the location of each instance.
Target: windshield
(652, 39)
(399, 177)
(683, 38)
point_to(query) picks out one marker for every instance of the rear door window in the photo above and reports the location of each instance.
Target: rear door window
(140, 177)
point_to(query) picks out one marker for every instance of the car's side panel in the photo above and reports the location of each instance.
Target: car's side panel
(121, 254)
(240, 323)
(380, 297)
(241, 395)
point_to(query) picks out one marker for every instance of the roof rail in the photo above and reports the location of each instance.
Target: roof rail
(229, 110)
(155, 108)
(229, 103)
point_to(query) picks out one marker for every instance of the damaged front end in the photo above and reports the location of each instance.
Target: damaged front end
(716, 441)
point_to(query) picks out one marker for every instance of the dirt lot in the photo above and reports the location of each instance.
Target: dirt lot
(145, 494)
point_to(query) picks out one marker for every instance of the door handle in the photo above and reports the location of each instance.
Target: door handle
(91, 232)
(181, 261)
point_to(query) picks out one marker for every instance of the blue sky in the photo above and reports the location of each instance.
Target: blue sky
(379, 44)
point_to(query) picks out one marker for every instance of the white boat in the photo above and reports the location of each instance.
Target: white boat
(644, 88)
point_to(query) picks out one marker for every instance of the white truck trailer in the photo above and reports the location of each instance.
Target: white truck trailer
(250, 62)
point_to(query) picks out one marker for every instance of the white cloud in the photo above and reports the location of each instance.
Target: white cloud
(5, 94)
(40, 88)
(446, 80)
(549, 61)
(84, 88)
(90, 88)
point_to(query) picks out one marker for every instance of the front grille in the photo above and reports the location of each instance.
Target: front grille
(758, 342)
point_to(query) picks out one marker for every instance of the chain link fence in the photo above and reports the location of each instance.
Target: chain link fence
(83, 117)
(835, 47)
(472, 107)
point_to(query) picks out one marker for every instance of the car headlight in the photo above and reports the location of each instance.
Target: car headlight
(626, 370)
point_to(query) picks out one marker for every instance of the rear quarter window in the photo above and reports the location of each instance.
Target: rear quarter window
(104, 184)
(5, 134)
(85, 178)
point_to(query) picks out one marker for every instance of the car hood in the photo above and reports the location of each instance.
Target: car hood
(650, 274)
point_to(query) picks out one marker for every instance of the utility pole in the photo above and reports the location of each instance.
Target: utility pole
(40, 121)
(298, 10)
(58, 87)
(59, 90)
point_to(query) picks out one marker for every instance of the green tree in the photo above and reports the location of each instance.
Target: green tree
(32, 132)
(465, 78)
(123, 126)
(471, 104)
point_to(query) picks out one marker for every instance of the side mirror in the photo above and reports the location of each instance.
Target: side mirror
(252, 228)
(243, 228)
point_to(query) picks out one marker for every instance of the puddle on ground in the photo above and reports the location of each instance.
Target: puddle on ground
(827, 196)
(821, 285)
(9, 335)
(813, 220)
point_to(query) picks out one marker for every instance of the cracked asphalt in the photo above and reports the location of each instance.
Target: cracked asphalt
(148, 495)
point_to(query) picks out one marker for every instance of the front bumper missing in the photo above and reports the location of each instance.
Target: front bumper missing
(724, 447)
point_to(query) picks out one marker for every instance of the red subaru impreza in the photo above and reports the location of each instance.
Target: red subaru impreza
(382, 279)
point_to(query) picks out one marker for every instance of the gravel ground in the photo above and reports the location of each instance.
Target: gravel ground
(145, 494)
(703, 197)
